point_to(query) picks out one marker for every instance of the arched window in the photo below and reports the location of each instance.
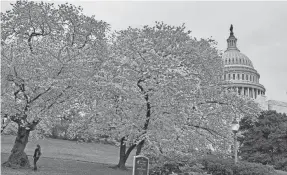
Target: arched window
(238, 77)
(240, 61)
(242, 76)
(232, 60)
(233, 76)
(229, 76)
(224, 76)
(229, 60)
(246, 77)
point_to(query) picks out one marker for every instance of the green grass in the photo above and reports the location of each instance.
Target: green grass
(61, 157)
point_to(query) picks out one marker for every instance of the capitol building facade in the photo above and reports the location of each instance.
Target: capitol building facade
(239, 71)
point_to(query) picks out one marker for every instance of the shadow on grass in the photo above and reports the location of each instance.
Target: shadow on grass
(52, 166)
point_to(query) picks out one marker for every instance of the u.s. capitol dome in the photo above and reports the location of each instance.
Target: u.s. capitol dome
(239, 70)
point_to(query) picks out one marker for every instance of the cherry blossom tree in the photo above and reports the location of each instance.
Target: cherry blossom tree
(49, 60)
(164, 88)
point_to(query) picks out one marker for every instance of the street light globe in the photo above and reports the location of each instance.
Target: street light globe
(234, 125)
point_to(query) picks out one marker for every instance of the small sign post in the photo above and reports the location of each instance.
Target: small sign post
(140, 165)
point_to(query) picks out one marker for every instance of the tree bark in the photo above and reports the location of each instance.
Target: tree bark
(18, 157)
(124, 154)
(122, 162)
(139, 147)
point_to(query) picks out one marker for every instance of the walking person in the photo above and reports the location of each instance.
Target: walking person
(36, 156)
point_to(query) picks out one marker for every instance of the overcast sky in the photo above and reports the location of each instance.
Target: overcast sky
(260, 27)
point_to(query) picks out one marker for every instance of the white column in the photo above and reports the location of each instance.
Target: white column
(248, 92)
(255, 93)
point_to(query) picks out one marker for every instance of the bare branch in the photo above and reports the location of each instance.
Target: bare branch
(32, 126)
(85, 41)
(141, 56)
(211, 131)
(15, 118)
(214, 102)
(138, 84)
(39, 95)
(55, 100)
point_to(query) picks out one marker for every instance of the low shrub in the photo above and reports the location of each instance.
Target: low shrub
(174, 163)
(281, 164)
(217, 166)
(247, 168)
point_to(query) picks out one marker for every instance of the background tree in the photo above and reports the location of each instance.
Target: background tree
(49, 59)
(164, 86)
(265, 139)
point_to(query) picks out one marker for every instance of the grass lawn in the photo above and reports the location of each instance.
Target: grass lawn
(67, 157)
(61, 157)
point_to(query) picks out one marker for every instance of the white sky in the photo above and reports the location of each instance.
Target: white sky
(260, 27)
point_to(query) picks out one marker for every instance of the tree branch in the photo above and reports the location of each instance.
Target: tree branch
(138, 84)
(39, 95)
(214, 102)
(129, 151)
(85, 41)
(211, 131)
(15, 118)
(55, 101)
(32, 126)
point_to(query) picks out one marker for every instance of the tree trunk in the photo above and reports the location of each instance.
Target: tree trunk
(122, 161)
(139, 147)
(124, 154)
(18, 157)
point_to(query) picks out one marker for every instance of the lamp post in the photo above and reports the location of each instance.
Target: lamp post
(235, 127)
